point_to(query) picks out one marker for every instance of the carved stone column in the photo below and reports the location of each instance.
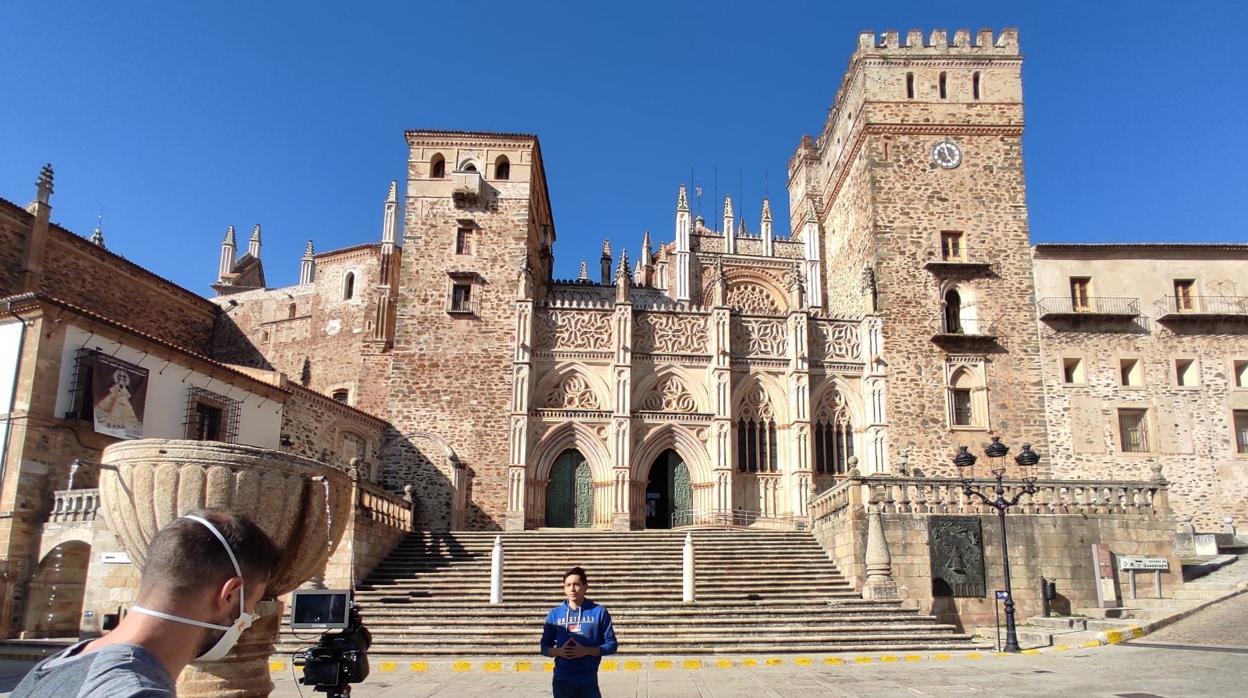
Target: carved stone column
(880, 585)
(621, 419)
(518, 436)
(719, 436)
(801, 474)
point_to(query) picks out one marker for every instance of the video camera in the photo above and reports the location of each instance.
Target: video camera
(340, 658)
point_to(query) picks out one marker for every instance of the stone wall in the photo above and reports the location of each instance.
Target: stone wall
(318, 427)
(380, 520)
(1050, 535)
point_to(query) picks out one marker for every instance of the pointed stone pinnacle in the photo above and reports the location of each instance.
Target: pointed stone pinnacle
(727, 206)
(45, 177)
(682, 199)
(606, 248)
(583, 274)
(229, 235)
(393, 195)
(810, 212)
(766, 209)
(97, 237)
(307, 251)
(255, 232)
(622, 271)
(645, 241)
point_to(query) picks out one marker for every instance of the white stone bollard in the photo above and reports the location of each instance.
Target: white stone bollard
(496, 572)
(687, 595)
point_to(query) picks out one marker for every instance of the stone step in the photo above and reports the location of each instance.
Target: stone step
(1057, 622)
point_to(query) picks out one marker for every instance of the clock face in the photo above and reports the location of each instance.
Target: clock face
(947, 154)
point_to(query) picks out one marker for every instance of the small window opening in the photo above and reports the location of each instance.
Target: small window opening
(909, 85)
(1072, 371)
(461, 298)
(1241, 431)
(348, 286)
(437, 169)
(290, 311)
(1184, 296)
(1241, 374)
(207, 425)
(975, 85)
(342, 395)
(502, 168)
(962, 412)
(1130, 373)
(943, 92)
(1185, 373)
(1080, 300)
(1133, 430)
(953, 312)
(951, 249)
(463, 241)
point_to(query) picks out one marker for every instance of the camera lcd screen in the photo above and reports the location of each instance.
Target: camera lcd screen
(320, 610)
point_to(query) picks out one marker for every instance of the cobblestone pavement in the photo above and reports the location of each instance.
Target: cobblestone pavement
(1225, 623)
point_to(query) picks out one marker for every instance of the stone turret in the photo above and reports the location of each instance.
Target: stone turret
(389, 224)
(684, 223)
(32, 261)
(253, 245)
(765, 227)
(605, 263)
(730, 241)
(229, 252)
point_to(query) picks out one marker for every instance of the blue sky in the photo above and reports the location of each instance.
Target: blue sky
(178, 119)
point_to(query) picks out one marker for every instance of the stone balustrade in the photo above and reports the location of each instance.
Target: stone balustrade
(383, 507)
(74, 505)
(924, 495)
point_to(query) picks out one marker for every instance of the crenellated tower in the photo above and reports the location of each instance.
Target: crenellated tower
(916, 195)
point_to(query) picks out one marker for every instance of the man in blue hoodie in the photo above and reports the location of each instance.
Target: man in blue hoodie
(578, 632)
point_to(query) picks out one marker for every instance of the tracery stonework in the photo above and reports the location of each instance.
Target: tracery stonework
(662, 333)
(752, 299)
(572, 393)
(759, 337)
(574, 329)
(670, 395)
(835, 340)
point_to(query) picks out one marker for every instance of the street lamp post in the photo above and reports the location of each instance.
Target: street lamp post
(996, 453)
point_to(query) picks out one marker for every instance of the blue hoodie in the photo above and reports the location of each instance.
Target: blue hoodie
(591, 626)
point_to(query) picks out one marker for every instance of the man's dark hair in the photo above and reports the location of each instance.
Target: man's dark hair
(578, 571)
(185, 556)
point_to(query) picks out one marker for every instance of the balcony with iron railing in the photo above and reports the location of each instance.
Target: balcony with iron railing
(1172, 308)
(1066, 307)
(462, 307)
(938, 259)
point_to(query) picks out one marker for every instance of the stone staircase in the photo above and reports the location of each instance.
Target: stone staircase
(756, 592)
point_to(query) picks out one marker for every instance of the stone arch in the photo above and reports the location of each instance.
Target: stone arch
(652, 387)
(771, 387)
(750, 289)
(422, 464)
(967, 313)
(468, 165)
(574, 436)
(569, 381)
(437, 166)
(852, 398)
(685, 443)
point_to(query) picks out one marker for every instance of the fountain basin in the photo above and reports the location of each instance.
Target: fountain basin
(300, 503)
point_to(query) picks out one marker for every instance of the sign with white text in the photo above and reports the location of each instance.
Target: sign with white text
(1131, 562)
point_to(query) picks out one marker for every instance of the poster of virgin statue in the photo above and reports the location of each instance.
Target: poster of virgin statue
(118, 391)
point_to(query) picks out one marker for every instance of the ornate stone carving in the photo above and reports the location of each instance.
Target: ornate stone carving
(756, 404)
(572, 393)
(664, 333)
(573, 329)
(836, 340)
(757, 337)
(670, 395)
(752, 299)
(956, 548)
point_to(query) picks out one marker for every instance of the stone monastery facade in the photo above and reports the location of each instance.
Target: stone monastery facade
(721, 374)
(726, 373)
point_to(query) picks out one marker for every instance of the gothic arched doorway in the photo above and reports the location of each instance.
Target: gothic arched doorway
(669, 492)
(570, 492)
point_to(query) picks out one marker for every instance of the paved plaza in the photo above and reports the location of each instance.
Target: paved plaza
(1204, 655)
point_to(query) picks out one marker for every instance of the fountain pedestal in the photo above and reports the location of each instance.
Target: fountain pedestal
(300, 503)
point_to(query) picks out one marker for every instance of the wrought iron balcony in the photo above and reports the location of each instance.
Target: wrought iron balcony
(938, 260)
(462, 307)
(1197, 307)
(1063, 307)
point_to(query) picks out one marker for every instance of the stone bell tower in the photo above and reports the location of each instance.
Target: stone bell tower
(476, 214)
(917, 187)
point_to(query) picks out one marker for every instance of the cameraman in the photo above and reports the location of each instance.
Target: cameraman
(203, 575)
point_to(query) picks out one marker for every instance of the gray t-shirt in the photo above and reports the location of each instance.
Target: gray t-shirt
(122, 671)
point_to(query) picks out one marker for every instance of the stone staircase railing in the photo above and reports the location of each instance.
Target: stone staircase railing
(384, 507)
(75, 505)
(932, 495)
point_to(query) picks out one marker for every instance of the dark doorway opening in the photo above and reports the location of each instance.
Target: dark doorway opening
(669, 492)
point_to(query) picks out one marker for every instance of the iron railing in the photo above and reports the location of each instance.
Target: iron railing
(1096, 305)
(1227, 306)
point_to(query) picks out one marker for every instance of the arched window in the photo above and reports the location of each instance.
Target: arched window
(962, 411)
(909, 85)
(953, 312)
(342, 395)
(348, 286)
(975, 85)
(757, 450)
(943, 92)
(468, 166)
(502, 168)
(437, 167)
(834, 435)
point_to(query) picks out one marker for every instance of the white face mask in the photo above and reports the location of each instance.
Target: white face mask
(232, 631)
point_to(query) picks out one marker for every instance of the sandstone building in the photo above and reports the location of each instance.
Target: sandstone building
(725, 375)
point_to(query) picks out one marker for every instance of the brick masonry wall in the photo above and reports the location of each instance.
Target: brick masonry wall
(14, 224)
(315, 425)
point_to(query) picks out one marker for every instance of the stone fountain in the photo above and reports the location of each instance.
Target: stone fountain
(301, 503)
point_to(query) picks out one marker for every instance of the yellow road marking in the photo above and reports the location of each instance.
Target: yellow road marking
(974, 655)
(277, 666)
(420, 667)
(461, 667)
(863, 660)
(1113, 637)
(888, 658)
(609, 665)
(723, 664)
(387, 667)
(1090, 644)
(749, 663)
(803, 661)
(493, 666)
(662, 664)
(940, 657)
(914, 658)
(774, 661)
(632, 665)
(528, 666)
(833, 661)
